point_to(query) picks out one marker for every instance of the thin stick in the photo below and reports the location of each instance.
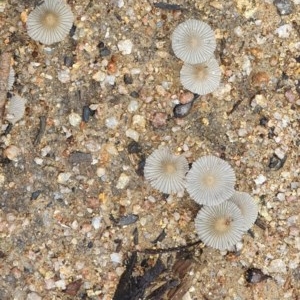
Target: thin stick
(4, 73)
(173, 249)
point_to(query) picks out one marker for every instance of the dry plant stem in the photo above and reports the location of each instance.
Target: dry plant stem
(4, 73)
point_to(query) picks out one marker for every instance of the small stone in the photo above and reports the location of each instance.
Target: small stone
(110, 79)
(111, 122)
(12, 152)
(259, 100)
(122, 181)
(122, 90)
(63, 177)
(99, 76)
(38, 161)
(260, 78)
(284, 7)
(280, 196)
(116, 258)
(134, 94)
(138, 120)
(242, 132)
(74, 119)
(2, 179)
(290, 96)
(64, 76)
(60, 284)
(125, 46)
(133, 106)
(33, 296)
(159, 119)
(104, 51)
(96, 222)
(277, 266)
(260, 179)
(100, 172)
(280, 154)
(131, 133)
(284, 31)
(186, 97)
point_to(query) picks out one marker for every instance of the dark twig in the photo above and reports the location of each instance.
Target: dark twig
(167, 6)
(172, 249)
(41, 131)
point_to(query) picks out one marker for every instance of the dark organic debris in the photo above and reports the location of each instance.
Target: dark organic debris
(160, 238)
(140, 168)
(254, 275)
(86, 113)
(2, 254)
(8, 129)
(128, 78)
(134, 147)
(235, 106)
(125, 220)
(276, 163)
(159, 292)
(41, 132)
(263, 121)
(261, 223)
(68, 61)
(271, 132)
(133, 288)
(183, 265)
(72, 30)
(103, 50)
(172, 249)
(135, 235)
(163, 5)
(78, 157)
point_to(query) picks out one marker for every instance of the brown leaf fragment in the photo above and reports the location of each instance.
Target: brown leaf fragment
(4, 73)
(73, 287)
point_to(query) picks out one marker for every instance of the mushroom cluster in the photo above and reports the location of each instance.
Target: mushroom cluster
(194, 42)
(225, 215)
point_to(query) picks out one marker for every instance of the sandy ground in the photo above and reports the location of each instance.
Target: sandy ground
(60, 208)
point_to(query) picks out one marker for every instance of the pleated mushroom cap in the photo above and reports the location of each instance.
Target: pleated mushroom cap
(201, 78)
(15, 109)
(210, 181)
(50, 22)
(11, 78)
(221, 226)
(247, 206)
(193, 41)
(166, 171)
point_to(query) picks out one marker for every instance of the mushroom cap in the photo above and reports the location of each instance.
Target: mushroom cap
(210, 181)
(193, 41)
(166, 171)
(201, 78)
(248, 207)
(50, 22)
(15, 109)
(221, 226)
(11, 78)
